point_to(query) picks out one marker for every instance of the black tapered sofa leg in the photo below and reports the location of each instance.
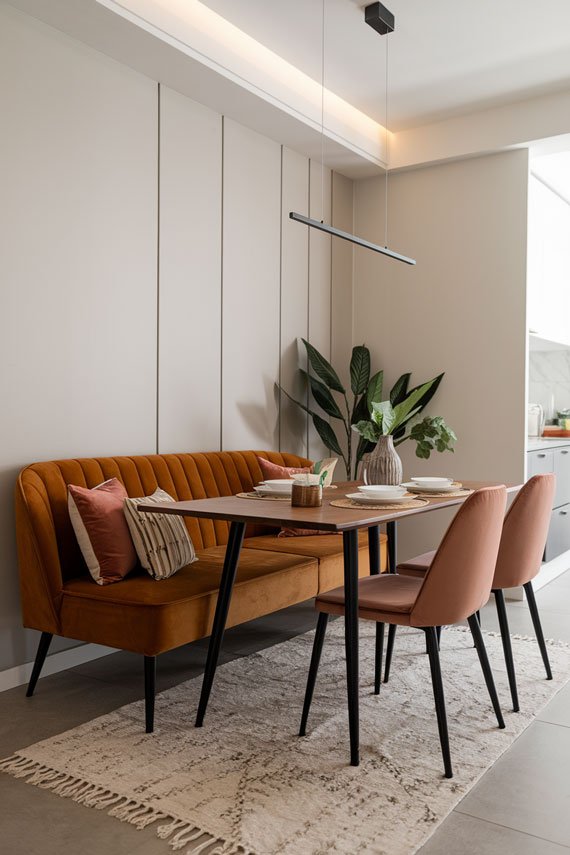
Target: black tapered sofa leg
(149, 691)
(41, 654)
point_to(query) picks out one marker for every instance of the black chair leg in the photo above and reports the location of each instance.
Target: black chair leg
(485, 667)
(149, 691)
(389, 651)
(41, 654)
(314, 667)
(439, 698)
(438, 633)
(507, 649)
(537, 627)
(378, 657)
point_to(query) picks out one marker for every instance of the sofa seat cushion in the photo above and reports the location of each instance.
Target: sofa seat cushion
(147, 616)
(327, 548)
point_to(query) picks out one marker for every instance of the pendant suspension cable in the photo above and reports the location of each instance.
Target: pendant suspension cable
(323, 111)
(386, 148)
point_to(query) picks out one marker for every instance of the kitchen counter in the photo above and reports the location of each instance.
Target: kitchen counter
(540, 443)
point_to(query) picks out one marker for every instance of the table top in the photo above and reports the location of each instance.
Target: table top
(325, 518)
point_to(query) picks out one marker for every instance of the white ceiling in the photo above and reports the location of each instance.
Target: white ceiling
(446, 56)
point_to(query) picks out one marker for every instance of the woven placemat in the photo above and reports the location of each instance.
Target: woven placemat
(448, 493)
(400, 506)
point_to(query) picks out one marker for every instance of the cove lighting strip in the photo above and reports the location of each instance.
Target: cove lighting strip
(323, 227)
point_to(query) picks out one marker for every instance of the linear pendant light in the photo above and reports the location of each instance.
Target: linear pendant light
(382, 20)
(324, 227)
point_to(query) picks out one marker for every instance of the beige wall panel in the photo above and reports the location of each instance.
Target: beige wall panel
(341, 285)
(460, 310)
(250, 295)
(319, 278)
(78, 172)
(189, 274)
(294, 300)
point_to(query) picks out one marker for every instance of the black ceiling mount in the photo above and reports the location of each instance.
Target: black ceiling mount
(379, 18)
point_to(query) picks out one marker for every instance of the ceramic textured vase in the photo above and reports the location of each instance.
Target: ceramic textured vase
(383, 465)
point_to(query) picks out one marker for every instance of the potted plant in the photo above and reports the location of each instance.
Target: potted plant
(380, 423)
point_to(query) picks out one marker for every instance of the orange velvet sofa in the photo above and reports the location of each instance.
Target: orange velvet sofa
(140, 614)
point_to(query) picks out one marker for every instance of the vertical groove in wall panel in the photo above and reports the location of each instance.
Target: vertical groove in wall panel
(158, 268)
(319, 280)
(341, 279)
(221, 408)
(252, 216)
(294, 299)
(190, 274)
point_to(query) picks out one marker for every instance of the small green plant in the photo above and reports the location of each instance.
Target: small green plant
(362, 410)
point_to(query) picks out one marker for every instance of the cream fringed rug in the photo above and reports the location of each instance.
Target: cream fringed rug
(245, 783)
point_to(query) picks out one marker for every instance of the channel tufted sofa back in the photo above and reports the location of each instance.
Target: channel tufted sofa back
(47, 546)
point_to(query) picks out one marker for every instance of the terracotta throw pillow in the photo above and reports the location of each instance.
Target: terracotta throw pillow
(271, 470)
(101, 530)
(162, 541)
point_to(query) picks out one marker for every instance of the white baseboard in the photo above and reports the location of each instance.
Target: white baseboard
(20, 675)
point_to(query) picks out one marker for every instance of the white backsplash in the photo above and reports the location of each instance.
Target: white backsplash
(549, 380)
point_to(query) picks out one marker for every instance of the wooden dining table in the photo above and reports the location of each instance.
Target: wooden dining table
(240, 512)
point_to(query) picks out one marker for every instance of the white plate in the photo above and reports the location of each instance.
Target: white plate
(378, 500)
(382, 490)
(432, 481)
(265, 491)
(411, 485)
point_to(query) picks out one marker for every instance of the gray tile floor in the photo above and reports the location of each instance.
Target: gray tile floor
(521, 805)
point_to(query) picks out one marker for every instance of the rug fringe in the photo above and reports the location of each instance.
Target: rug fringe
(128, 810)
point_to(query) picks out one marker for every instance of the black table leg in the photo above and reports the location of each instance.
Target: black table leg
(235, 540)
(391, 531)
(374, 549)
(350, 544)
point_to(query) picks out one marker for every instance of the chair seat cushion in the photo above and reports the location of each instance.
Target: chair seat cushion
(385, 594)
(417, 566)
(150, 616)
(327, 548)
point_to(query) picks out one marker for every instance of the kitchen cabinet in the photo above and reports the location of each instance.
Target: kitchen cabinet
(540, 463)
(561, 461)
(559, 533)
(548, 263)
(556, 459)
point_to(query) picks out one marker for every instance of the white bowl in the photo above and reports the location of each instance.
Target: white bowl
(278, 482)
(370, 499)
(431, 481)
(382, 490)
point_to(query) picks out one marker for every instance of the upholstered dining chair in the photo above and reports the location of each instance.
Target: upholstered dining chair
(442, 596)
(520, 554)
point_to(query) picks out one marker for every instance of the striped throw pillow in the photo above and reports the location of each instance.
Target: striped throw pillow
(162, 541)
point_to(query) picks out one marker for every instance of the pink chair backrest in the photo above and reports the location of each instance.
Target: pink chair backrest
(459, 579)
(524, 533)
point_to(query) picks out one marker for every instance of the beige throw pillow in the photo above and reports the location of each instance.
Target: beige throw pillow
(162, 541)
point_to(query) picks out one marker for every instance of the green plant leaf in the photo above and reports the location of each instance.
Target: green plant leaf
(359, 369)
(360, 411)
(368, 430)
(364, 446)
(411, 403)
(384, 416)
(322, 396)
(327, 434)
(400, 389)
(323, 368)
(433, 386)
(374, 391)
(298, 403)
